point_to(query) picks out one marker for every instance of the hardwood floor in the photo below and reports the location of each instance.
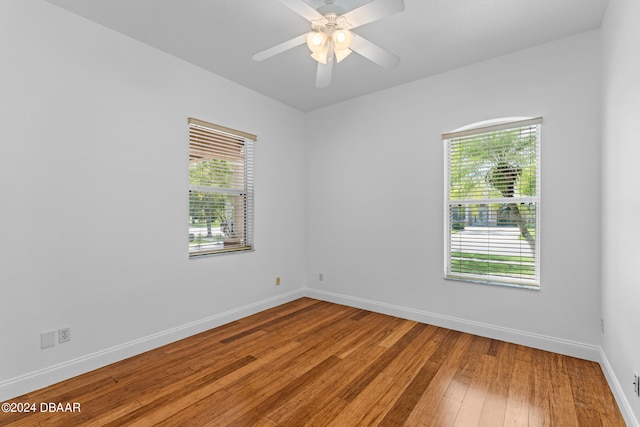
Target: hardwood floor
(315, 363)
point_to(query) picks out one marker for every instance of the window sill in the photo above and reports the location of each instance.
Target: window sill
(528, 285)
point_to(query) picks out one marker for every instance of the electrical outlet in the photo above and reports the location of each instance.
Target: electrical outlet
(321, 277)
(636, 384)
(64, 335)
(277, 280)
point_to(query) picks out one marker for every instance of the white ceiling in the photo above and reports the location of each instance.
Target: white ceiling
(430, 37)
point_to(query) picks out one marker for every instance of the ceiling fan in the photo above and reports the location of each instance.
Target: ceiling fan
(331, 37)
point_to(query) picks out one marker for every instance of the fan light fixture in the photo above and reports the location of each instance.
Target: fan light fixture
(328, 41)
(331, 39)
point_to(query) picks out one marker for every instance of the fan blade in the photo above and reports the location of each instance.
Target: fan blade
(373, 52)
(289, 44)
(373, 11)
(323, 77)
(303, 9)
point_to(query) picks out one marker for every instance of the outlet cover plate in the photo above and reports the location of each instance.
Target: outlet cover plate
(47, 339)
(64, 335)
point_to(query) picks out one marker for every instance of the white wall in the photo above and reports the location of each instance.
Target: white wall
(375, 199)
(93, 177)
(621, 198)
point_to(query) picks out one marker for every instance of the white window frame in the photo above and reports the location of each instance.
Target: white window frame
(208, 141)
(493, 250)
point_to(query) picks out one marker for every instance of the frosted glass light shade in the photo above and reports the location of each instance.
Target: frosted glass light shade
(342, 39)
(321, 55)
(316, 41)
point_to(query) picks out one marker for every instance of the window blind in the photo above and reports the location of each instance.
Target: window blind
(220, 189)
(492, 204)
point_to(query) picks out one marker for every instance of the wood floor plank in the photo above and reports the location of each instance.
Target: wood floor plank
(292, 388)
(324, 415)
(240, 389)
(517, 410)
(370, 333)
(445, 361)
(424, 411)
(474, 399)
(307, 410)
(396, 334)
(412, 395)
(379, 397)
(461, 381)
(364, 349)
(271, 324)
(446, 413)
(314, 363)
(178, 400)
(562, 405)
(495, 405)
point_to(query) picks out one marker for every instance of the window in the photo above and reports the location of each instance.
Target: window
(220, 189)
(492, 203)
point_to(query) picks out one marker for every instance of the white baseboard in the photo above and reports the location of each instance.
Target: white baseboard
(618, 393)
(543, 342)
(44, 377)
